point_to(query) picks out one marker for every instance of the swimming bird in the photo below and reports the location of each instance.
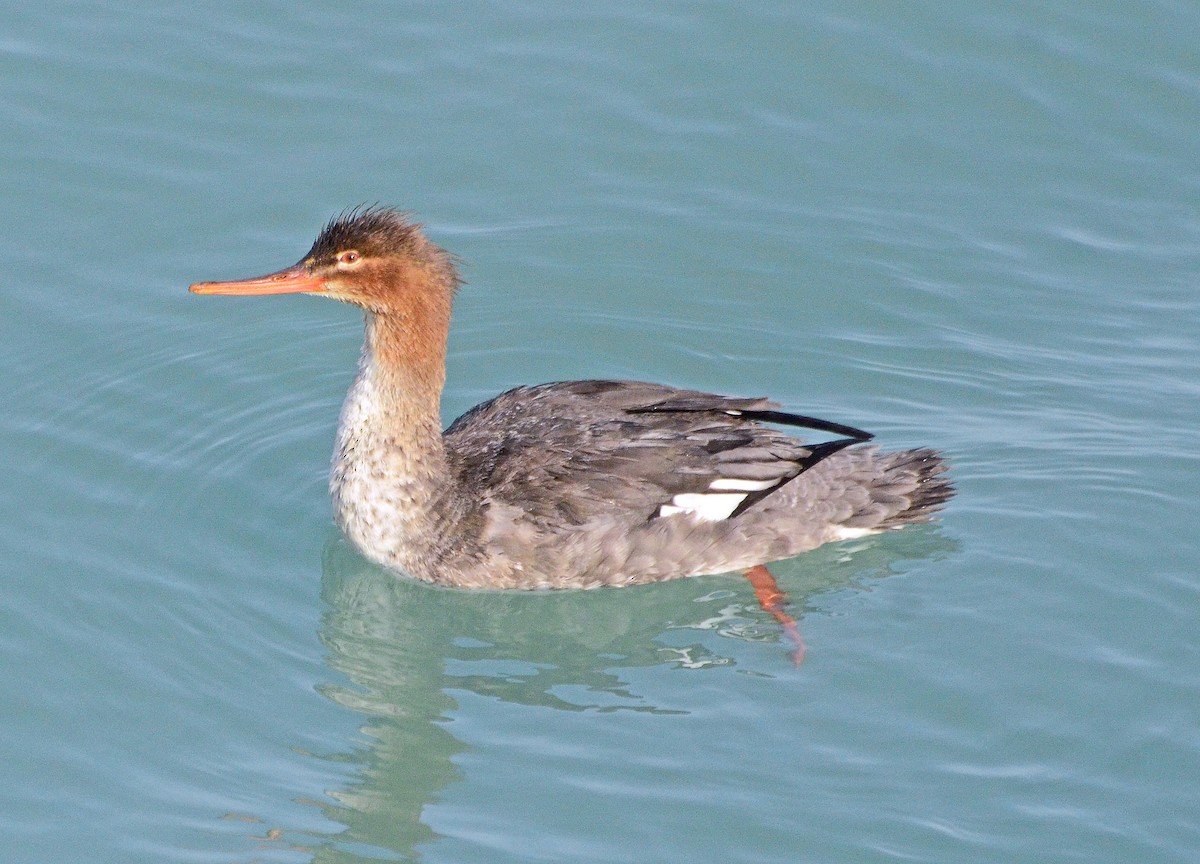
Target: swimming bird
(573, 484)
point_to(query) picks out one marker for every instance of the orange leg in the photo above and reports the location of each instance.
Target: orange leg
(772, 599)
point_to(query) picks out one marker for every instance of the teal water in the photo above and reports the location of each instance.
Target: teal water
(965, 225)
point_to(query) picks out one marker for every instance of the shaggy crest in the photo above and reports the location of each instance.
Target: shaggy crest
(377, 231)
(371, 230)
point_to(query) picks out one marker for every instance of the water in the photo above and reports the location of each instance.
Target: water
(962, 225)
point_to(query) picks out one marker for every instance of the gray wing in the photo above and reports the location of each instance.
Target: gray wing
(571, 452)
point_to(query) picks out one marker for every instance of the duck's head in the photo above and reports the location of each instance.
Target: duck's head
(373, 257)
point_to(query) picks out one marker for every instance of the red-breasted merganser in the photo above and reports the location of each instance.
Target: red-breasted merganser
(575, 484)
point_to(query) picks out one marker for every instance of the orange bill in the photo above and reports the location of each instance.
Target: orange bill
(293, 280)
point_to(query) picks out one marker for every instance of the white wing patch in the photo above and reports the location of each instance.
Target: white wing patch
(722, 484)
(727, 493)
(717, 505)
(708, 506)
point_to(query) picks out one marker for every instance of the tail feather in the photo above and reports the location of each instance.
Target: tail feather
(914, 482)
(878, 490)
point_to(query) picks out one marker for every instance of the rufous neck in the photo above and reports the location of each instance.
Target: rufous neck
(407, 354)
(393, 491)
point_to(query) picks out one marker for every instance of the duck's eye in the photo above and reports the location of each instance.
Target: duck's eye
(348, 257)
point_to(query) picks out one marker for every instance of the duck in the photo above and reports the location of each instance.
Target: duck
(570, 484)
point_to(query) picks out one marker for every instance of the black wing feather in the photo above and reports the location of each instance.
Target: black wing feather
(784, 418)
(617, 441)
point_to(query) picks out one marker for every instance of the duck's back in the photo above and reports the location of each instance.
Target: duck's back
(623, 481)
